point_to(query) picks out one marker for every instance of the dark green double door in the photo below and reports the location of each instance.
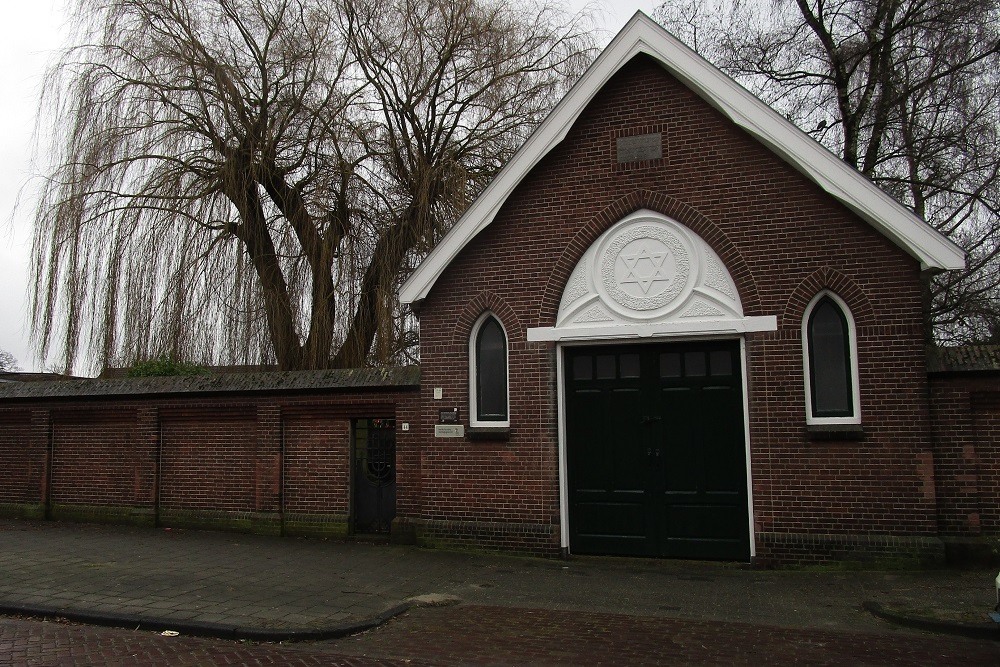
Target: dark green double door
(656, 451)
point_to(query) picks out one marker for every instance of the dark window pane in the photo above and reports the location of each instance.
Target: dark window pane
(694, 364)
(491, 372)
(721, 362)
(629, 365)
(606, 367)
(829, 361)
(583, 368)
(670, 365)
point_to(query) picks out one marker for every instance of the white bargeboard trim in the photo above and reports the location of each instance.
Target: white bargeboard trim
(642, 35)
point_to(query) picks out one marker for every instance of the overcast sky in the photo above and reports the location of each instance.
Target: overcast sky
(30, 34)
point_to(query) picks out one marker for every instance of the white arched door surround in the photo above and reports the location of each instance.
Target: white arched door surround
(649, 276)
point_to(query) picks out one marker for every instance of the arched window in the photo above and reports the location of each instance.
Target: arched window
(830, 362)
(488, 373)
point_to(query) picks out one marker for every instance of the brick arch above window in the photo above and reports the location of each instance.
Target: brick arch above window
(474, 309)
(659, 203)
(829, 279)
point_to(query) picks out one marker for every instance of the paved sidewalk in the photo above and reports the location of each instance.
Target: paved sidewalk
(243, 585)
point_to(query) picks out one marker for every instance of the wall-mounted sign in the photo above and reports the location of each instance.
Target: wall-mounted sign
(449, 431)
(448, 416)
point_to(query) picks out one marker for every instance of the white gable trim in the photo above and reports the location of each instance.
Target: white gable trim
(641, 35)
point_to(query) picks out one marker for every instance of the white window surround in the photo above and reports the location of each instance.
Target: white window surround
(474, 420)
(855, 418)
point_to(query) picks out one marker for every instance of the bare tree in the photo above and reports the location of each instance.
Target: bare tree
(904, 91)
(453, 88)
(8, 364)
(242, 181)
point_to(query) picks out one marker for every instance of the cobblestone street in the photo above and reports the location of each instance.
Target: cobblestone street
(485, 635)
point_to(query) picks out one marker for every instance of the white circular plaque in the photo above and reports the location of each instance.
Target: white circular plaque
(643, 267)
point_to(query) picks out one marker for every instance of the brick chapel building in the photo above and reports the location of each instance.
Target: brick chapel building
(674, 325)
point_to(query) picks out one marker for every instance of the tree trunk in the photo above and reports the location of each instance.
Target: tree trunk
(389, 254)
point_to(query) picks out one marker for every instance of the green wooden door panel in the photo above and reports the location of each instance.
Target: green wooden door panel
(608, 500)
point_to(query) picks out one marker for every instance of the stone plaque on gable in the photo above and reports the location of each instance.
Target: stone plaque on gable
(640, 148)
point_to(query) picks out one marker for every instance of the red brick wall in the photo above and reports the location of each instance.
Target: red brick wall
(245, 454)
(22, 460)
(966, 417)
(98, 459)
(317, 463)
(986, 408)
(208, 460)
(781, 238)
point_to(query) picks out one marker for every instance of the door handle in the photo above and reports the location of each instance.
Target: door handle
(649, 420)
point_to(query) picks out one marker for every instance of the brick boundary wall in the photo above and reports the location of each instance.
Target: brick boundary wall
(965, 410)
(280, 463)
(275, 463)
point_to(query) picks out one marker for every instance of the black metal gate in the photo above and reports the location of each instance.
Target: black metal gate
(374, 475)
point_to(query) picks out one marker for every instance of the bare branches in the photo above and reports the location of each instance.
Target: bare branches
(903, 90)
(247, 181)
(8, 364)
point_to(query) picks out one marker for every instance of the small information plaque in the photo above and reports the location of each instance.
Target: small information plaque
(640, 148)
(449, 431)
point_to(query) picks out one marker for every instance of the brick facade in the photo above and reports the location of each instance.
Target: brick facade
(22, 459)
(966, 418)
(781, 238)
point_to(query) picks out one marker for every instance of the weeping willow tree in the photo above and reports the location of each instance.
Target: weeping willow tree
(247, 181)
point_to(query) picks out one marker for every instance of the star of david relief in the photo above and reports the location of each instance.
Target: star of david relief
(647, 268)
(644, 267)
(649, 265)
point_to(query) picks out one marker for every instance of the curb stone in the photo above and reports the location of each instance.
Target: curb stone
(970, 630)
(210, 629)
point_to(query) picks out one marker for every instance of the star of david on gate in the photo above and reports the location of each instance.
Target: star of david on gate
(645, 273)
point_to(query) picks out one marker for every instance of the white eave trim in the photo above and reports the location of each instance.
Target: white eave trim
(642, 35)
(684, 328)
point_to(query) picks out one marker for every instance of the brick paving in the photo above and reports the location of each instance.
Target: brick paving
(510, 610)
(34, 642)
(185, 576)
(481, 635)
(485, 635)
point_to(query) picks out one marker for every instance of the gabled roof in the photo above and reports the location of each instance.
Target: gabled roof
(642, 35)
